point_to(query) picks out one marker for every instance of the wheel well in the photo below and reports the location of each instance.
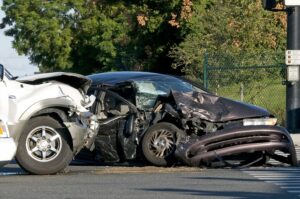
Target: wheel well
(60, 114)
(174, 122)
(171, 120)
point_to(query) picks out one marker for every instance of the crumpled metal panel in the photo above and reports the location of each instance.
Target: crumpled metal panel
(127, 142)
(113, 145)
(106, 142)
(212, 108)
(72, 79)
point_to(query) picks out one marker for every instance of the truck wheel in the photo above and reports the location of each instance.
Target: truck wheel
(159, 143)
(44, 147)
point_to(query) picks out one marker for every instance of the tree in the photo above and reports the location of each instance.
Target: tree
(98, 35)
(94, 35)
(229, 29)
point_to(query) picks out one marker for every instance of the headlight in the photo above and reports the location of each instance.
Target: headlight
(3, 130)
(260, 121)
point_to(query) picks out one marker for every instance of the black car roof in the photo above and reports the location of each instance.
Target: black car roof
(117, 77)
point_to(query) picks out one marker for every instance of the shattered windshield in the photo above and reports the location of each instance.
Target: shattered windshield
(147, 91)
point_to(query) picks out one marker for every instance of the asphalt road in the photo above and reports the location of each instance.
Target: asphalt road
(150, 182)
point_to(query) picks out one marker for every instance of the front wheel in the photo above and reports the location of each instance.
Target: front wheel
(44, 147)
(159, 143)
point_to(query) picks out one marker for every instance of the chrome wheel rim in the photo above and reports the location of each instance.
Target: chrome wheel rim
(43, 144)
(162, 143)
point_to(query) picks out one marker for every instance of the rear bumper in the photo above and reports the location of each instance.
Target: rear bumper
(243, 140)
(7, 150)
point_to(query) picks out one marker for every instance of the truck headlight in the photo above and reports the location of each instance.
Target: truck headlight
(260, 121)
(3, 130)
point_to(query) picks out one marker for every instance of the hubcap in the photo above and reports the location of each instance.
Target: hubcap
(43, 144)
(162, 143)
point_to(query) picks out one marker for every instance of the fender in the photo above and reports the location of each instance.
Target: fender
(77, 131)
(41, 107)
(48, 103)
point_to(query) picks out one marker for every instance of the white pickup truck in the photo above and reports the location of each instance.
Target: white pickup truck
(47, 117)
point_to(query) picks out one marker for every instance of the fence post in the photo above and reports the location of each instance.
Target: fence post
(205, 68)
(242, 92)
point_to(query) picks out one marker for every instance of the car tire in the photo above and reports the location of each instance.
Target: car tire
(159, 143)
(44, 146)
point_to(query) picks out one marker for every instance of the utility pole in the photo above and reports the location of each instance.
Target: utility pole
(292, 61)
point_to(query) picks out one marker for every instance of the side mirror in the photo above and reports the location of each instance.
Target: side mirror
(269, 4)
(1, 72)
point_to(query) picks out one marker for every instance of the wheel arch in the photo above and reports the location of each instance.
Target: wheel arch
(56, 108)
(36, 109)
(173, 122)
(61, 103)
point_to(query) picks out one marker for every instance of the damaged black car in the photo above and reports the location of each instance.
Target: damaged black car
(166, 119)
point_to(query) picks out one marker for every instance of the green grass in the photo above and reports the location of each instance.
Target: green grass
(267, 94)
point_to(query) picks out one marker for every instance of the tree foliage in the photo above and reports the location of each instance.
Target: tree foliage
(230, 29)
(98, 35)
(93, 35)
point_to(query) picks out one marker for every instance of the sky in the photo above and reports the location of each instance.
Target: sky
(9, 58)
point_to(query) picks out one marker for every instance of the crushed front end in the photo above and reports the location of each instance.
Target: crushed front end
(230, 133)
(247, 145)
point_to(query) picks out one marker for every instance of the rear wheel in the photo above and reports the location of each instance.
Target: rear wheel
(44, 147)
(159, 143)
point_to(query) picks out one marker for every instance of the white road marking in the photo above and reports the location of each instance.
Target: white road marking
(289, 187)
(11, 173)
(277, 178)
(286, 183)
(286, 178)
(294, 191)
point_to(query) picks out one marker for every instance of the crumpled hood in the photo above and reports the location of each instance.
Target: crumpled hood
(72, 79)
(214, 108)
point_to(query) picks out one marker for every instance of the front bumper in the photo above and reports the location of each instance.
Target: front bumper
(236, 141)
(8, 150)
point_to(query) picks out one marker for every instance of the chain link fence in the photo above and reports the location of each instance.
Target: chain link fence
(252, 78)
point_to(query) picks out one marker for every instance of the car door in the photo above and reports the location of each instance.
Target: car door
(116, 138)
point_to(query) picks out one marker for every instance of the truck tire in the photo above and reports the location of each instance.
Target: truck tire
(159, 143)
(44, 146)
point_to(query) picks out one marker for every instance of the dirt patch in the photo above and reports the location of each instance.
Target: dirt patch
(147, 169)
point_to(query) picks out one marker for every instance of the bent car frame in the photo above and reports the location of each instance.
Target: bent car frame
(166, 119)
(47, 117)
